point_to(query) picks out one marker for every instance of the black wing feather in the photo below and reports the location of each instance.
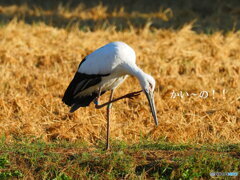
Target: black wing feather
(84, 101)
(79, 83)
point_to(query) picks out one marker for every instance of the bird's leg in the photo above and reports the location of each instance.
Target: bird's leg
(129, 95)
(96, 100)
(108, 119)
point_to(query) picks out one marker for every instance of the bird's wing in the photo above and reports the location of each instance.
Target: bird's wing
(102, 62)
(79, 83)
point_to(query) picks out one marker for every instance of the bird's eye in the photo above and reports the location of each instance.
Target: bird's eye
(151, 86)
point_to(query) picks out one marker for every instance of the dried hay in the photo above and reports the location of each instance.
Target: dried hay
(38, 62)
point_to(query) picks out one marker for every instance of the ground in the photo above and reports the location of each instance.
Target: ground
(192, 51)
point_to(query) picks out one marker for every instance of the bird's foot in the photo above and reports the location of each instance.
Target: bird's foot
(133, 95)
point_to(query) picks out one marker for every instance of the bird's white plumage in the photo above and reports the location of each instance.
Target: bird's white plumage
(108, 59)
(117, 59)
(112, 63)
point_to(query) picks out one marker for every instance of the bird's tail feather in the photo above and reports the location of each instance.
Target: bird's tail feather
(79, 83)
(82, 102)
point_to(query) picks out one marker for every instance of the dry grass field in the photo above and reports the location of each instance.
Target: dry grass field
(38, 61)
(192, 51)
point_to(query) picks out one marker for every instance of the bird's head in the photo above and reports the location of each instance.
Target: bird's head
(148, 86)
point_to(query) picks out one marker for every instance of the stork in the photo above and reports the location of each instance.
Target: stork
(103, 70)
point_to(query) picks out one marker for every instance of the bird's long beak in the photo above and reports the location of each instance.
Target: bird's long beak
(152, 106)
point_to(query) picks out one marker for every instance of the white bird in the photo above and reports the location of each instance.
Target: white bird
(103, 70)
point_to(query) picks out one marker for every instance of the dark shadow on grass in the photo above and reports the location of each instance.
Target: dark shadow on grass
(121, 23)
(161, 146)
(210, 16)
(156, 168)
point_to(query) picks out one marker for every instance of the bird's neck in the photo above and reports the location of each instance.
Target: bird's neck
(134, 70)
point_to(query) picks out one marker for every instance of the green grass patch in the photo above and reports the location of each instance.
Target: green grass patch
(62, 160)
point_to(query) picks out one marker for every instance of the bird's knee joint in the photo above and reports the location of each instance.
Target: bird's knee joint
(95, 101)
